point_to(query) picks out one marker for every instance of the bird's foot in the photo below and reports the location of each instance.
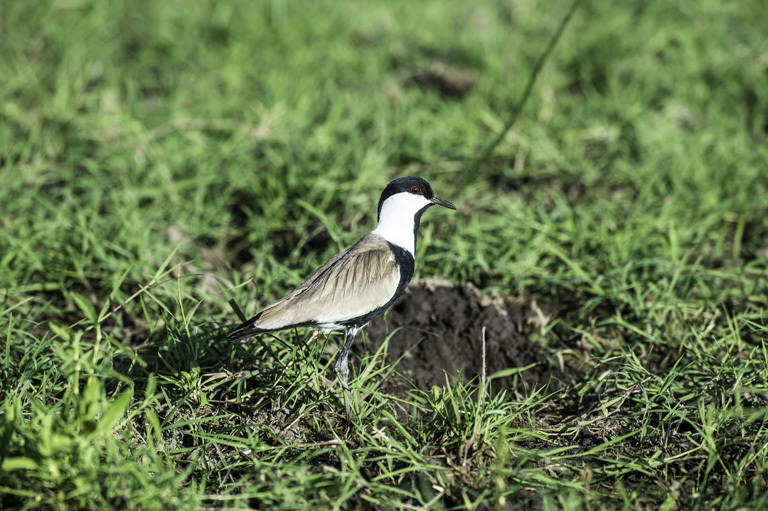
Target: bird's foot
(341, 367)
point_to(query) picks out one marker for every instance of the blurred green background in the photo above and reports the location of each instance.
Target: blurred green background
(254, 129)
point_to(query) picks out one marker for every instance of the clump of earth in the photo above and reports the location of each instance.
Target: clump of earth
(436, 329)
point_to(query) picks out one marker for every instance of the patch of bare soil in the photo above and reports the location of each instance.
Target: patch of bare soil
(447, 80)
(438, 330)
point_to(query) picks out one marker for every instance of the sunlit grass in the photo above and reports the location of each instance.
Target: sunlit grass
(164, 164)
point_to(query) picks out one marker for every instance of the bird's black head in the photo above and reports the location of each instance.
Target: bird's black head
(415, 186)
(410, 184)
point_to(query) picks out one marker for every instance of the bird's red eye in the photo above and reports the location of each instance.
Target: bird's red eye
(415, 190)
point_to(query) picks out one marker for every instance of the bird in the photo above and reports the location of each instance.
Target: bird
(358, 284)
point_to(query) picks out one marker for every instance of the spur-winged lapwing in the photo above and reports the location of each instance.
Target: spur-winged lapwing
(360, 283)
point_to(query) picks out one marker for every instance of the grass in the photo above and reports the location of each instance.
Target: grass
(163, 162)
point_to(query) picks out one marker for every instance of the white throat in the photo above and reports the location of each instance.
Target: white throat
(398, 218)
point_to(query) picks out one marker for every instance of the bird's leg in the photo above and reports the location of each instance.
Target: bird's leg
(341, 367)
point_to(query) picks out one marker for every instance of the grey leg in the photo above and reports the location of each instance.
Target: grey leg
(341, 367)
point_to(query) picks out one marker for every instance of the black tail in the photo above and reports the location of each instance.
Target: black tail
(245, 331)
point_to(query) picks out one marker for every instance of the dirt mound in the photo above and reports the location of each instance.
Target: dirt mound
(438, 330)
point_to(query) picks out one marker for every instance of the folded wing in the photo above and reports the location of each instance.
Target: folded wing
(351, 285)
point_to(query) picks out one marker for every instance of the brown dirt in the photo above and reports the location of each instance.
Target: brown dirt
(438, 330)
(447, 80)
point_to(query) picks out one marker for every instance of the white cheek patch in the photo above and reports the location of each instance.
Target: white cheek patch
(396, 222)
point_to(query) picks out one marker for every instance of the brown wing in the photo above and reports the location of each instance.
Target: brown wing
(351, 284)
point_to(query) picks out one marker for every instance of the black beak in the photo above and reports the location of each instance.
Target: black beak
(442, 202)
